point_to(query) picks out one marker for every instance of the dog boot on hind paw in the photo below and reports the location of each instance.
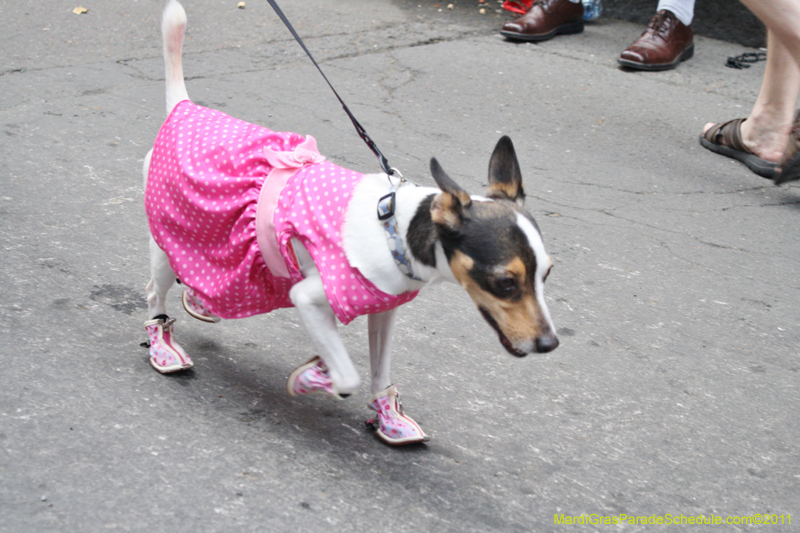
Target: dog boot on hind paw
(391, 425)
(312, 376)
(196, 308)
(166, 355)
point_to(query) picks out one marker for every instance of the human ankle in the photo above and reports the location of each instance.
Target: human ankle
(766, 138)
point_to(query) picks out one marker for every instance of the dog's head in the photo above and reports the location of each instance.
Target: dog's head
(496, 252)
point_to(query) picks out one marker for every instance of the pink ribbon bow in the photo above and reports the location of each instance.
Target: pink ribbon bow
(304, 153)
(284, 165)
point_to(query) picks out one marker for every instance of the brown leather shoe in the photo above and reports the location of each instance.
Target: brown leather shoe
(544, 20)
(666, 42)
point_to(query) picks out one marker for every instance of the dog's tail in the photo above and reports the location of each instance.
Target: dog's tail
(173, 26)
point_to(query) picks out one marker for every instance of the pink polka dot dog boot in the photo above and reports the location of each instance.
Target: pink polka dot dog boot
(312, 376)
(166, 355)
(391, 425)
(195, 307)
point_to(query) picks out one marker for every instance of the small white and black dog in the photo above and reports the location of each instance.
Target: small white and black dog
(251, 220)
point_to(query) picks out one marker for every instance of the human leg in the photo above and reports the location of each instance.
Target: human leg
(683, 9)
(782, 19)
(767, 129)
(765, 132)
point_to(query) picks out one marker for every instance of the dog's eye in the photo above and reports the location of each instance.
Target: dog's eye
(506, 285)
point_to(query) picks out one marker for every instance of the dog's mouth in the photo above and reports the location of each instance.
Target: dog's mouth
(503, 339)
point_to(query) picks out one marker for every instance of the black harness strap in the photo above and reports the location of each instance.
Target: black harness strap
(359, 128)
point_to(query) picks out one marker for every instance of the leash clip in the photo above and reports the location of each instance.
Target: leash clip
(382, 161)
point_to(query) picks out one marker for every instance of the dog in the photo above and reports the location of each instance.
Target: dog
(251, 220)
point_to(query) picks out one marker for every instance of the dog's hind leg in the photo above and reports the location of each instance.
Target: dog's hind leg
(161, 275)
(166, 355)
(161, 280)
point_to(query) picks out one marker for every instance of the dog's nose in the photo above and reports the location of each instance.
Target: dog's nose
(546, 343)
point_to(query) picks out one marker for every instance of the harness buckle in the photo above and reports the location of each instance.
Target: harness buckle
(386, 206)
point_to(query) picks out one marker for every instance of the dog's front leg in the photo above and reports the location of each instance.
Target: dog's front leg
(391, 424)
(380, 349)
(319, 320)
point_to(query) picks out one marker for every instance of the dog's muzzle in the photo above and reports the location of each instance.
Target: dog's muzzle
(543, 344)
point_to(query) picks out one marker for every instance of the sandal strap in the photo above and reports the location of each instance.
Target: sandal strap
(728, 134)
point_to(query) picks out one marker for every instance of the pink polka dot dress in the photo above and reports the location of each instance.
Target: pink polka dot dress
(202, 202)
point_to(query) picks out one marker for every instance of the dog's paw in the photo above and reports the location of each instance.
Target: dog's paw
(312, 376)
(391, 425)
(166, 355)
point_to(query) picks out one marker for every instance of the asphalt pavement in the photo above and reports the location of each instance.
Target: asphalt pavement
(675, 292)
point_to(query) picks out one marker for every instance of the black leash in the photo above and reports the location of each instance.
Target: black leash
(359, 128)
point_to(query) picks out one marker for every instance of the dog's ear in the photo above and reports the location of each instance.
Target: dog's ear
(448, 206)
(505, 177)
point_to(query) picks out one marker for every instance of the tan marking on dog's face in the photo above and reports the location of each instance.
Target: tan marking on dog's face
(518, 316)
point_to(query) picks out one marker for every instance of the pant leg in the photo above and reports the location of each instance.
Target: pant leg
(683, 9)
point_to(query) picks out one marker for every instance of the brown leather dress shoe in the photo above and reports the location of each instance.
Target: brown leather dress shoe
(544, 20)
(666, 42)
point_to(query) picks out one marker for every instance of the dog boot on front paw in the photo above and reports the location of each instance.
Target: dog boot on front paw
(166, 355)
(312, 376)
(196, 308)
(391, 425)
